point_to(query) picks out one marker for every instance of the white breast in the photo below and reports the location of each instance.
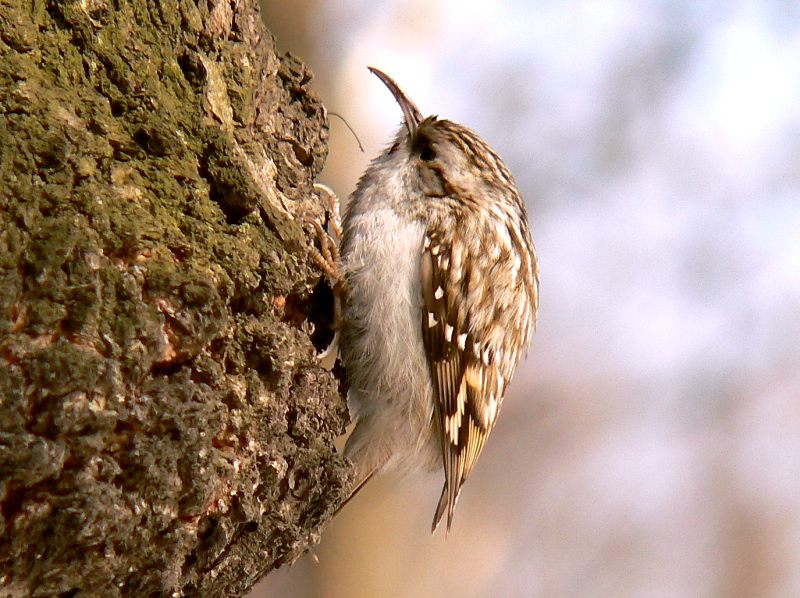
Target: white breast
(382, 349)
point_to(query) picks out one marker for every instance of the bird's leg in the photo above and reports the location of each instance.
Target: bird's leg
(328, 260)
(335, 217)
(327, 256)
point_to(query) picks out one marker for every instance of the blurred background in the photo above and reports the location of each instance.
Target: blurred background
(650, 443)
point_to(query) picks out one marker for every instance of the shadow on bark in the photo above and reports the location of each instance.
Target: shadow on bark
(164, 426)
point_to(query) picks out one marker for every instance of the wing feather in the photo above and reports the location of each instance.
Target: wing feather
(473, 351)
(463, 381)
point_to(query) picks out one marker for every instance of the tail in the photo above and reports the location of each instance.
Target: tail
(367, 457)
(358, 486)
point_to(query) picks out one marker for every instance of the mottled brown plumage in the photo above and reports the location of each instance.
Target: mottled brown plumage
(442, 298)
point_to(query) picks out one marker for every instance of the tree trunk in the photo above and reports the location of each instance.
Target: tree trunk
(165, 428)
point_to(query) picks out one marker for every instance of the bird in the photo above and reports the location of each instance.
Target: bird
(441, 293)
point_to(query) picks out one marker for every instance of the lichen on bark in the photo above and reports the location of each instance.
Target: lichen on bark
(164, 425)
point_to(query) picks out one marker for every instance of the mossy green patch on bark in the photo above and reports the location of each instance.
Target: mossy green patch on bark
(164, 425)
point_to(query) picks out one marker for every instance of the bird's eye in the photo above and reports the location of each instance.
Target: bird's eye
(394, 147)
(427, 154)
(424, 148)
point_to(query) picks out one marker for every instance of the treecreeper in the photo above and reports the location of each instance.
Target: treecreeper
(439, 288)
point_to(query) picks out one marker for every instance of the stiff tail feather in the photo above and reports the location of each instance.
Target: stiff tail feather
(359, 485)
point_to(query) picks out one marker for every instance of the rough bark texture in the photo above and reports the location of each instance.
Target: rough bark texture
(164, 426)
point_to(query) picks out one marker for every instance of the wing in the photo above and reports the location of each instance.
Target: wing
(468, 385)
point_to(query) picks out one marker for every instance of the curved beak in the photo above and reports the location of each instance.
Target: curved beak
(411, 113)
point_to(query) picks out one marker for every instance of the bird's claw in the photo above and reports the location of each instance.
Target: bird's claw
(327, 259)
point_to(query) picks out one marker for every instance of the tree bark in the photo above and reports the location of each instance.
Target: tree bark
(165, 428)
